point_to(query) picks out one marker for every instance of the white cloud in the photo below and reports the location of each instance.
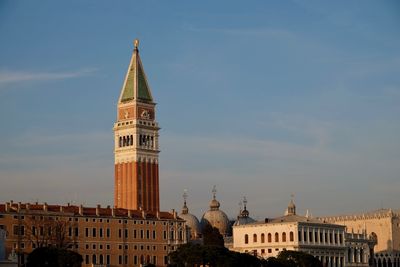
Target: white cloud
(7, 76)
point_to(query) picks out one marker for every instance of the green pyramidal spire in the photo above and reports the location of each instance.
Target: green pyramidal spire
(135, 86)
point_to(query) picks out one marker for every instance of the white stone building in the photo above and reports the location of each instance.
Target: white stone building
(383, 226)
(326, 241)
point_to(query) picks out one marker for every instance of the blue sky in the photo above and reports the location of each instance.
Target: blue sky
(262, 99)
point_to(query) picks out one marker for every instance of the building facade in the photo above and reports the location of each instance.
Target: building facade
(326, 241)
(136, 142)
(383, 226)
(103, 236)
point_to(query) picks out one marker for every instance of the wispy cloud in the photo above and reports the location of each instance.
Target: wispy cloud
(7, 76)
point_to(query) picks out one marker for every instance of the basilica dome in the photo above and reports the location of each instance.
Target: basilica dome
(216, 217)
(243, 217)
(191, 221)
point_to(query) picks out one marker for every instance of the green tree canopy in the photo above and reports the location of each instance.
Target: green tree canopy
(212, 237)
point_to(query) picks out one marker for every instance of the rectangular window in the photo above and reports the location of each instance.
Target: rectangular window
(119, 259)
(148, 234)
(135, 260)
(69, 231)
(134, 233)
(108, 260)
(94, 232)
(126, 233)
(100, 232)
(165, 260)
(165, 234)
(76, 231)
(119, 233)
(141, 234)
(299, 236)
(154, 234)
(86, 232)
(86, 259)
(310, 236)
(108, 232)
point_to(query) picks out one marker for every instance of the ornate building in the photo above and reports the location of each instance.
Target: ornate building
(383, 226)
(104, 236)
(136, 142)
(326, 241)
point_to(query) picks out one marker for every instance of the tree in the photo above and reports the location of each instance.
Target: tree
(44, 231)
(213, 256)
(212, 237)
(292, 258)
(53, 257)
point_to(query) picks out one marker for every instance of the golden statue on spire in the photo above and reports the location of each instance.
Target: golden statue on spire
(136, 43)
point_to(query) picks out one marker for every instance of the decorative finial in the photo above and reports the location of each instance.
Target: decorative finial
(185, 195)
(136, 44)
(214, 191)
(240, 207)
(292, 196)
(244, 202)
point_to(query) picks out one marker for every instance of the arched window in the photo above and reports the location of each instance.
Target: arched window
(131, 143)
(269, 238)
(101, 260)
(94, 259)
(276, 237)
(262, 238)
(254, 238)
(120, 141)
(283, 237)
(124, 141)
(291, 236)
(246, 238)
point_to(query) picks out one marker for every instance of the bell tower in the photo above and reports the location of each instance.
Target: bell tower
(136, 142)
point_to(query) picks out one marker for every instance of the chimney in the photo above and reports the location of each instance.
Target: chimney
(129, 214)
(19, 206)
(28, 206)
(61, 209)
(113, 212)
(45, 206)
(7, 206)
(98, 210)
(175, 214)
(81, 209)
(158, 214)
(143, 214)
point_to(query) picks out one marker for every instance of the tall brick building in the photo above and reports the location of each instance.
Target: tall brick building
(136, 142)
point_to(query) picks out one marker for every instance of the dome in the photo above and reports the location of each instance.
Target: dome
(191, 221)
(243, 217)
(216, 217)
